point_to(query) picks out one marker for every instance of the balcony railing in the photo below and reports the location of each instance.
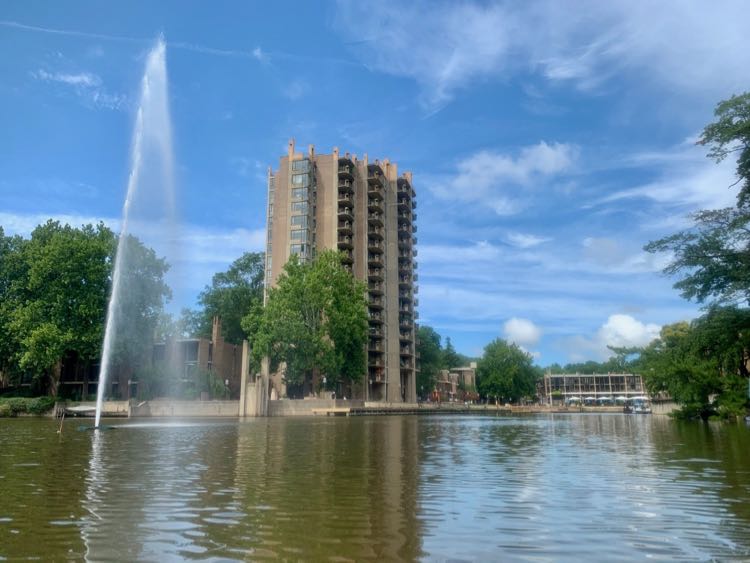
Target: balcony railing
(375, 218)
(345, 242)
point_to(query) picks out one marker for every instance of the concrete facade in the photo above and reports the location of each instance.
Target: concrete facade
(364, 209)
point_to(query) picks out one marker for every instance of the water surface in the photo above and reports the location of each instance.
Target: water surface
(536, 488)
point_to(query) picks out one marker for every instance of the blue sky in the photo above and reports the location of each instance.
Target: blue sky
(549, 141)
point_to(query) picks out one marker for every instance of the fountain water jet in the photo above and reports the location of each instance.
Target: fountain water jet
(153, 129)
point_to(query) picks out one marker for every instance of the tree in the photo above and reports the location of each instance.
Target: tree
(315, 319)
(54, 292)
(713, 256)
(450, 358)
(701, 364)
(506, 372)
(231, 295)
(430, 359)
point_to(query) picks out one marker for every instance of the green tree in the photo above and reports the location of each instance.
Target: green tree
(713, 256)
(55, 287)
(315, 319)
(231, 295)
(430, 359)
(506, 372)
(701, 364)
(451, 359)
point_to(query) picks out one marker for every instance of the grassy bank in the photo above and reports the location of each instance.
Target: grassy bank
(14, 406)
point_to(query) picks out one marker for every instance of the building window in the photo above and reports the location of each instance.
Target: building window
(300, 180)
(299, 193)
(297, 248)
(301, 165)
(299, 208)
(299, 221)
(299, 236)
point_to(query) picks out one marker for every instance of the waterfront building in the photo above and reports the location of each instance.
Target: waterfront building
(563, 386)
(456, 384)
(366, 210)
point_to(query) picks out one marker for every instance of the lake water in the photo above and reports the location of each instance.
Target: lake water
(537, 488)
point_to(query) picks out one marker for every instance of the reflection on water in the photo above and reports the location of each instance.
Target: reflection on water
(592, 487)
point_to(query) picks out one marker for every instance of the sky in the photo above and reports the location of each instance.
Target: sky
(549, 141)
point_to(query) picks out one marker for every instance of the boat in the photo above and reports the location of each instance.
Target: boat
(641, 405)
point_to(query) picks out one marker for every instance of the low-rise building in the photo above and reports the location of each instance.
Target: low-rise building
(564, 387)
(457, 384)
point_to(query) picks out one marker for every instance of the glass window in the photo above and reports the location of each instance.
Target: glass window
(299, 236)
(301, 165)
(300, 179)
(299, 193)
(299, 221)
(297, 249)
(299, 208)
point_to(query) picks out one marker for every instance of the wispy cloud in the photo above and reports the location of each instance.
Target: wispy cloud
(446, 46)
(618, 331)
(498, 180)
(87, 86)
(523, 240)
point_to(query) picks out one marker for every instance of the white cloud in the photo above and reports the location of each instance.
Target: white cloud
(80, 79)
(86, 85)
(499, 181)
(619, 331)
(522, 332)
(522, 240)
(445, 46)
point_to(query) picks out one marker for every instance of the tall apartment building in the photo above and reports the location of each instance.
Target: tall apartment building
(365, 210)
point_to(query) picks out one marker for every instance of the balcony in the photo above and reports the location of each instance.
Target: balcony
(404, 322)
(374, 259)
(345, 242)
(404, 231)
(346, 168)
(404, 243)
(345, 227)
(405, 350)
(375, 361)
(404, 281)
(376, 332)
(403, 204)
(374, 346)
(376, 232)
(374, 245)
(345, 200)
(405, 335)
(375, 219)
(346, 185)
(414, 252)
(406, 363)
(375, 318)
(414, 228)
(346, 213)
(375, 204)
(375, 274)
(405, 295)
(375, 303)
(376, 288)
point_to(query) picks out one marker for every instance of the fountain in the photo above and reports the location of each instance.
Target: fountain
(152, 134)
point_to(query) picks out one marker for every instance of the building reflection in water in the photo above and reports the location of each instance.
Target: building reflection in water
(311, 488)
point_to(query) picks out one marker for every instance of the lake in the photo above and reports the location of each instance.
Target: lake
(514, 488)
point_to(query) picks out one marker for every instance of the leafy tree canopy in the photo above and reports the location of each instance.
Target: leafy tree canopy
(506, 372)
(54, 289)
(430, 359)
(230, 296)
(713, 256)
(314, 319)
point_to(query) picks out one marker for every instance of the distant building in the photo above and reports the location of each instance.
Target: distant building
(457, 384)
(194, 355)
(564, 386)
(189, 356)
(364, 209)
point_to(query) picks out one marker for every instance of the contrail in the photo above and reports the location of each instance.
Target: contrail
(256, 54)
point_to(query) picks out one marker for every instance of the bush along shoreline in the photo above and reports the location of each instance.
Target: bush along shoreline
(29, 406)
